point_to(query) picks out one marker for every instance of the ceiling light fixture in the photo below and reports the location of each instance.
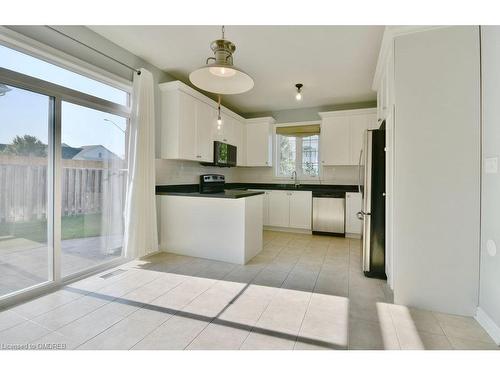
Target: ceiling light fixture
(298, 96)
(221, 76)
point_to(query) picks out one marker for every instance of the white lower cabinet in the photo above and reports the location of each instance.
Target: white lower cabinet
(288, 209)
(300, 209)
(279, 208)
(353, 203)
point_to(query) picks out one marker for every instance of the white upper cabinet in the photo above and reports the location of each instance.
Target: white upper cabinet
(342, 134)
(240, 139)
(334, 140)
(189, 125)
(205, 118)
(178, 113)
(259, 142)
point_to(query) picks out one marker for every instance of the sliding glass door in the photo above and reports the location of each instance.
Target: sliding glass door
(26, 167)
(93, 187)
(63, 173)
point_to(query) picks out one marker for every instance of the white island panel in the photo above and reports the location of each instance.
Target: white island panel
(229, 230)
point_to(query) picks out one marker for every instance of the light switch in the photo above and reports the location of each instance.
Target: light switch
(491, 165)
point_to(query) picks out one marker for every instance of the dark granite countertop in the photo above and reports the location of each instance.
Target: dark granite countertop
(316, 189)
(227, 194)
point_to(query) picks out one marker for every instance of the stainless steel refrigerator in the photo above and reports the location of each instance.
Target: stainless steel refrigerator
(373, 210)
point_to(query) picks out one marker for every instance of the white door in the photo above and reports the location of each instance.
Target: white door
(187, 127)
(205, 117)
(358, 124)
(335, 141)
(352, 206)
(300, 209)
(279, 209)
(258, 142)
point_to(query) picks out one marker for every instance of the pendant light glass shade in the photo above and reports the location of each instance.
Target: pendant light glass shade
(221, 76)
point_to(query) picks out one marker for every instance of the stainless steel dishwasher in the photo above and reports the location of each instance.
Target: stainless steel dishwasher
(329, 213)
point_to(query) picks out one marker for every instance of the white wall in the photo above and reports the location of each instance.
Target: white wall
(178, 172)
(489, 292)
(437, 169)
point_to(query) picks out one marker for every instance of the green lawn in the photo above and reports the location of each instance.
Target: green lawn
(77, 226)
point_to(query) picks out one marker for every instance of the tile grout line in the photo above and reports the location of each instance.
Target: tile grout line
(187, 303)
(92, 311)
(56, 307)
(248, 283)
(137, 272)
(270, 300)
(310, 298)
(126, 316)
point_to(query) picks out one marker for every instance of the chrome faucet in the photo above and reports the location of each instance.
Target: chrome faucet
(294, 176)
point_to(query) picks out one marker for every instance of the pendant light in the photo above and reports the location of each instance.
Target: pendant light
(219, 117)
(298, 96)
(221, 76)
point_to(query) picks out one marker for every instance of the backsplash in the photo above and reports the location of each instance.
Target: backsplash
(176, 172)
(338, 175)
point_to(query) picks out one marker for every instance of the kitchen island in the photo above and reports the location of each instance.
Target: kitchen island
(225, 226)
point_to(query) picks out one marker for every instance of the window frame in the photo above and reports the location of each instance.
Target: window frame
(21, 43)
(58, 94)
(300, 175)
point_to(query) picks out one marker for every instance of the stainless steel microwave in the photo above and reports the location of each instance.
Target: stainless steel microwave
(224, 155)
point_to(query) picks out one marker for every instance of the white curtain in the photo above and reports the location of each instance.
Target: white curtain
(141, 236)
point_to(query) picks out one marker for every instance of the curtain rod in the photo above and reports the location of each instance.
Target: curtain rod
(95, 50)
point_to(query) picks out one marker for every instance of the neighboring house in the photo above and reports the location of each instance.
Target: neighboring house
(91, 152)
(69, 152)
(96, 153)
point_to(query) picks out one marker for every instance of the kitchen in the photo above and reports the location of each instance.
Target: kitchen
(279, 209)
(285, 206)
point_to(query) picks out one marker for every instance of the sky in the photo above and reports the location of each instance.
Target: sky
(24, 112)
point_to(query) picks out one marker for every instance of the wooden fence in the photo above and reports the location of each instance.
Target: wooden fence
(87, 187)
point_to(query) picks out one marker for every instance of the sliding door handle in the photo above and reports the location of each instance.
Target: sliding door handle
(361, 214)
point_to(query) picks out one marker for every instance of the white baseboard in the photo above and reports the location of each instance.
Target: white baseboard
(488, 324)
(289, 230)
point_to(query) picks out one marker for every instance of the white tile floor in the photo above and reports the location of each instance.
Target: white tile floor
(300, 292)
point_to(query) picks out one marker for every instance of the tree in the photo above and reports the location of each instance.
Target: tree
(27, 145)
(287, 155)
